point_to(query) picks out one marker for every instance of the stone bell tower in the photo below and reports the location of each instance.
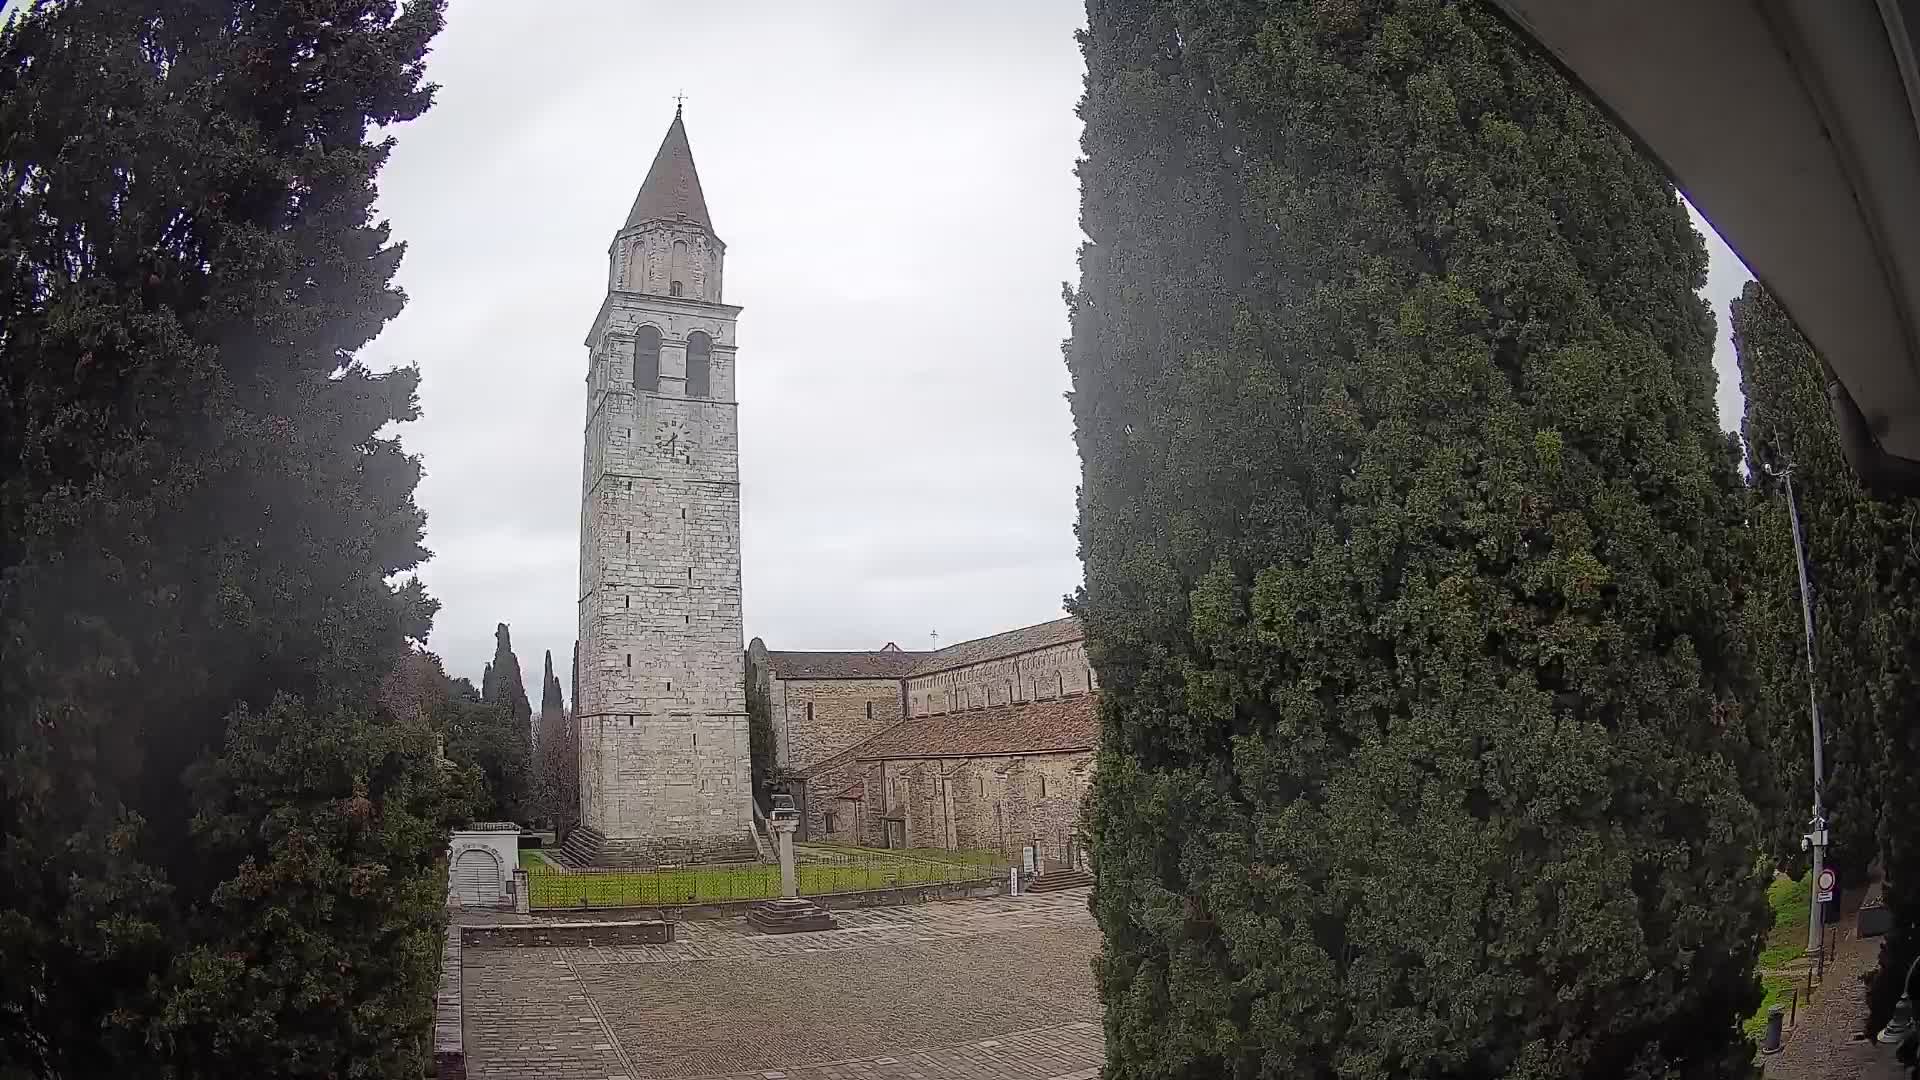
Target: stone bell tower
(662, 713)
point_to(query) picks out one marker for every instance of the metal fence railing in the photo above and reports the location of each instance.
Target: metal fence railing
(820, 872)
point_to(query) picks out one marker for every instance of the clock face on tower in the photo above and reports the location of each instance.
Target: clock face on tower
(674, 442)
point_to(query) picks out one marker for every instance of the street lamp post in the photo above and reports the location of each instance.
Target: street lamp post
(1816, 840)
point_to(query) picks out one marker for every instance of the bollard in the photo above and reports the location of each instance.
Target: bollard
(1770, 1042)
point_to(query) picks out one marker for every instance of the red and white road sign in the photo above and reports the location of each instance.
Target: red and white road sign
(1823, 885)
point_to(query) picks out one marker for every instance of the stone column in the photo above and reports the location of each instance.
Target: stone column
(783, 831)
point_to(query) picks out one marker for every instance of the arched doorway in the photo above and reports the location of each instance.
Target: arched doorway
(477, 878)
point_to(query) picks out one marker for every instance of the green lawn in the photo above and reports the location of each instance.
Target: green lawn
(1775, 988)
(547, 888)
(1792, 903)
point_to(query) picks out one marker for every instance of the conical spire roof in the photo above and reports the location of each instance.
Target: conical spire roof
(672, 188)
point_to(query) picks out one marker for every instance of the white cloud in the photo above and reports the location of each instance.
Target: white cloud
(895, 186)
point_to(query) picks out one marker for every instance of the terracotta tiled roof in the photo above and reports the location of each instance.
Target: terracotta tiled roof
(671, 191)
(1010, 643)
(883, 664)
(1028, 727)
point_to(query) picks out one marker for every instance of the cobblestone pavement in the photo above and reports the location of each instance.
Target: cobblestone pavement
(972, 990)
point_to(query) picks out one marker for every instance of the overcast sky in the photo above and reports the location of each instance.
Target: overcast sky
(894, 183)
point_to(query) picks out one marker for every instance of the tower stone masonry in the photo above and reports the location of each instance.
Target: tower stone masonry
(662, 712)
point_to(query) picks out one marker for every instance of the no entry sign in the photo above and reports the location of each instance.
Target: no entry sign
(1823, 885)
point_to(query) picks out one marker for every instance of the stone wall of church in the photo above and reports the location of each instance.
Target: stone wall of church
(1029, 676)
(814, 719)
(999, 804)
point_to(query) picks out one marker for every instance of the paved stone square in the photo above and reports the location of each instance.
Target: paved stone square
(973, 990)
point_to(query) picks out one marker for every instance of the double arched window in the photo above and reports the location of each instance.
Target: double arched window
(646, 360)
(699, 365)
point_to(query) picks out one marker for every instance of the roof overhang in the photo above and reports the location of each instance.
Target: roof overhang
(1794, 127)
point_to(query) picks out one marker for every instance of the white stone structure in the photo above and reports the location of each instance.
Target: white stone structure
(662, 714)
(481, 860)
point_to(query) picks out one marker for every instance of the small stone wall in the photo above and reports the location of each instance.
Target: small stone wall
(895, 897)
(568, 935)
(449, 1037)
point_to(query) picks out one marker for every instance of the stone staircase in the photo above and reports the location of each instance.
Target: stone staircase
(1059, 878)
(588, 847)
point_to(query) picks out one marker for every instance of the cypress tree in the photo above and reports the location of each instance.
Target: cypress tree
(1412, 562)
(1865, 577)
(509, 688)
(200, 512)
(557, 756)
(1849, 538)
(487, 739)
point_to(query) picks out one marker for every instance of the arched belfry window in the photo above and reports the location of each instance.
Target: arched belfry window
(646, 360)
(699, 365)
(677, 269)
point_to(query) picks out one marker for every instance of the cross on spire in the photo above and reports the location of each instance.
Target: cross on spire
(678, 100)
(935, 635)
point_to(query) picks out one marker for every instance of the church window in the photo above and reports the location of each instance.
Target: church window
(1062, 676)
(626, 601)
(629, 660)
(869, 710)
(677, 268)
(809, 712)
(699, 365)
(829, 817)
(646, 360)
(1043, 785)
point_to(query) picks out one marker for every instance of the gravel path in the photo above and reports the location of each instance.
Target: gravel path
(1825, 1043)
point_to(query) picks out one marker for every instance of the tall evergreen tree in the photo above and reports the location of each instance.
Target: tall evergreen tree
(509, 688)
(1865, 573)
(486, 737)
(760, 735)
(1849, 538)
(1412, 566)
(558, 757)
(200, 512)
